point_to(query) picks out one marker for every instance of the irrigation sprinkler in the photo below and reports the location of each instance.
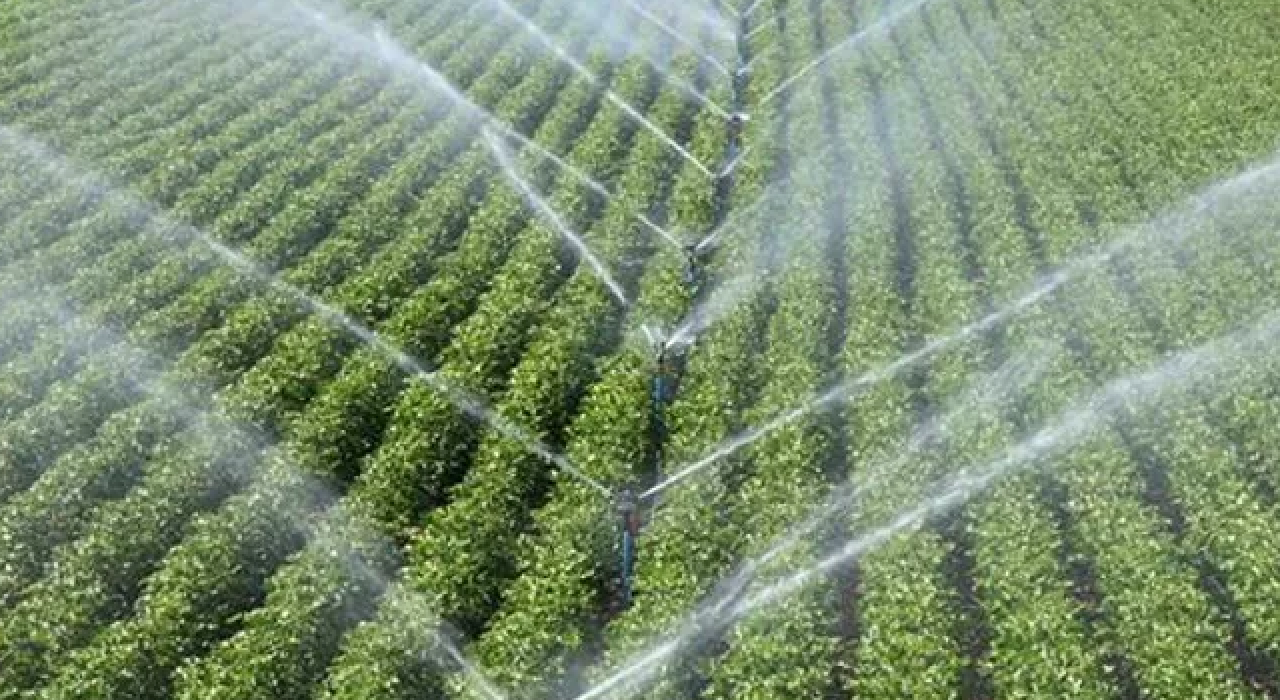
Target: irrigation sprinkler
(694, 268)
(629, 517)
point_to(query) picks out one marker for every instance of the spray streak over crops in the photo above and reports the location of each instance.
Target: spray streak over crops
(393, 55)
(853, 387)
(987, 393)
(440, 646)
(1170, 230)
(587, 75)
(591, 183)
(545, 210)
(391, 52)
(976, 146)
(881, 26)
(706, 15)
(675, 34)
(583, 178)
(333, 533)
(741, 285)
(1203, 365)
(337, 529)
(620, 20)
(472, 405)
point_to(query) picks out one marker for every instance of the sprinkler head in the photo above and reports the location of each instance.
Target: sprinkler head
(657, 338)
(627, 499)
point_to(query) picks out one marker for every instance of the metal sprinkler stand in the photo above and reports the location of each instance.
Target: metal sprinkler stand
(695, 269)
(628, 503)
(629, 517)
(664, 379)
(737, 122)
(662, 392)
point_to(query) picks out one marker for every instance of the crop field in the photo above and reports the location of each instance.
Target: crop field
(574, 349)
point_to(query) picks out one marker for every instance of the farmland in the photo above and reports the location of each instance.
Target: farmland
(933, 340)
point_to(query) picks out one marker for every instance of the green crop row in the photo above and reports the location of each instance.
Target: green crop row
(504, 480)
(210, 487)
(174, 589)
(330, 256)
(309, 576)
(161, 472)
(688, 544)
(567, 568)
(1025, 578)
(217, 352)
